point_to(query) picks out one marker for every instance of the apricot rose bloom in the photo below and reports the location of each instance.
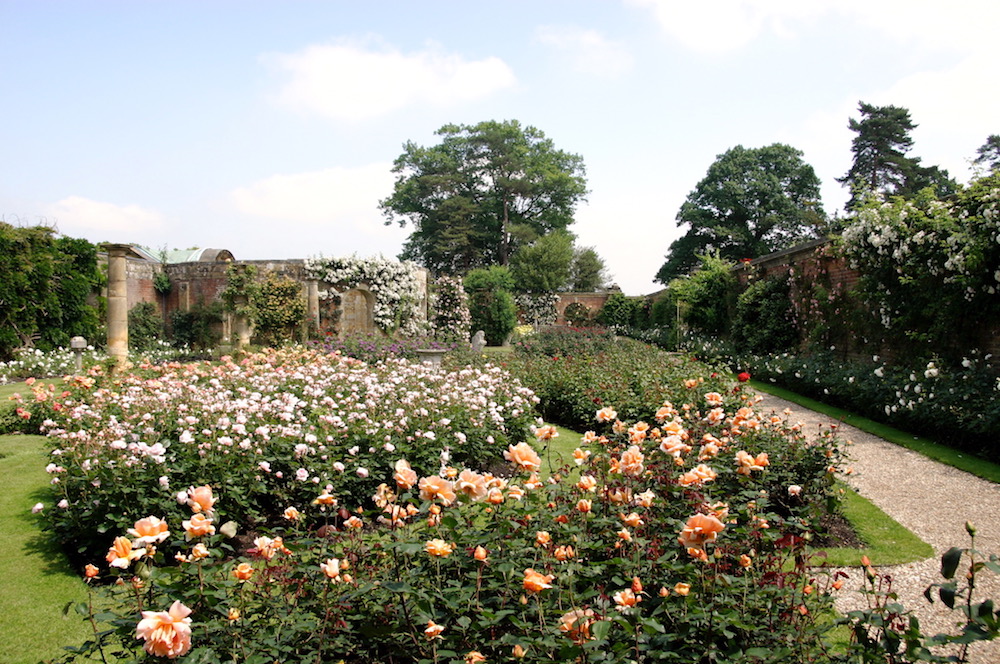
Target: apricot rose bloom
(576, 625)
(151, 530)
(198, 526)
(433, 630)
(405, 476)
(699, 530)
(607, 414)
(243, 572)
(166, 633)
(435, 487)
(331, 568)
(438, 548)
(523, 456)
(121, 554)
(201, 499)
(626, 599)
(535, 582)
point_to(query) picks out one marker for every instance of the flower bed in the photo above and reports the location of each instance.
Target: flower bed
(678, 539)
(267, 431)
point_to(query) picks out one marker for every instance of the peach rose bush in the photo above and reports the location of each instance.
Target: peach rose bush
(659, 541)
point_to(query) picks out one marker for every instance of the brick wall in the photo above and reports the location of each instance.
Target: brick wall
(593, 301)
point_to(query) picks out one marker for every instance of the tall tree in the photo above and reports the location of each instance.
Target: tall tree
(544, 265)
(751, 202)
(881, 165)
(588, 272)
(988, 154)
(481, 193)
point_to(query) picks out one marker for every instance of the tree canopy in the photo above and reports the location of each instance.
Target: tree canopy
(880, 162)
(752, 201)
(988, 154)
(481, 193)
(544, 265)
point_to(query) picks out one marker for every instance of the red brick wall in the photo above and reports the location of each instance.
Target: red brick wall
(593, 301)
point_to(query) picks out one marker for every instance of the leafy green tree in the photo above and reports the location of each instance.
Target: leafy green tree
(481, 193)
(491, 303)
(988, 154)
(544, 265)
(881, 165)
(707, 295)
(618, 310)
(588, 272)
(764, 317)
(750, 203)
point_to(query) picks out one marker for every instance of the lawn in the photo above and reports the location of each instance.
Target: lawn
(35, 579)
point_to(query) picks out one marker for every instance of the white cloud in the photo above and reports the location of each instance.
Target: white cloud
(334, 196)
(727, 25)
(78, 215)
(587, 50)
(354, 80)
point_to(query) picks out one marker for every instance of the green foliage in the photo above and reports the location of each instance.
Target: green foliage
(145, 326)
(587, 272)
(881, 167)
(618, 310)
(279, 310)
(957, 404)
(45, 287)
(544, 265)
(764, 317)
(988, 154)
(537, 309)
(751, 202)
(161, 283)
(706, 295)
(480, 194)
(199, 328)
(491, 304)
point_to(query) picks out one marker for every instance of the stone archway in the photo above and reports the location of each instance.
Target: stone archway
(357, 312)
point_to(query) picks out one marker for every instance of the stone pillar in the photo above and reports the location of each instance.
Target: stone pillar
(117, 305)
(241, 324)
(311, 288)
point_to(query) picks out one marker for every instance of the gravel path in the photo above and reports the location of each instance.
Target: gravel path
(930, 499)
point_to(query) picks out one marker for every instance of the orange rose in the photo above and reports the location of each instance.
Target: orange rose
(626, 599)
(433, 630)
(151, 530)
(90, 571)
(198, 526)
(583, 505)
(576, 625)
(682, 588)
(201, 499)
(631, 463)
(434, 487)
(166, 633)
(699, 530)
(472, 484)
(438, 548)
(405, 476)
(547, 432)
(243, 571)
(292, 514)
(121, 554)
(474, 657)
(480, 554)
(542, 538)
(564, 553)
(535, 582)
(331, 568)
(587, 483)
(606, 414)
(522, 456)
(632, 520)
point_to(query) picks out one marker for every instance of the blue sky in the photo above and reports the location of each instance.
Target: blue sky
(269, 128)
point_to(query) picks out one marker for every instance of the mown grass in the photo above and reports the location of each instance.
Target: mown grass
(35, 579)
(932, 450)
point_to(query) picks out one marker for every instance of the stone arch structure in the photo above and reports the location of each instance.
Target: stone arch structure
(357, 312)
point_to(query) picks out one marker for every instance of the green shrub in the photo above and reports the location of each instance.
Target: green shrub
(764, 317)
(145, 326)
(200, 328)
(278, 310)
(618, 310)
(578, 314)
(491, 303)
(707, 296)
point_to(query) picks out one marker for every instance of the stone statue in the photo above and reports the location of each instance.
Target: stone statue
(478, 342)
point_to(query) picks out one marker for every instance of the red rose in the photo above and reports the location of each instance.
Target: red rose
(743, 377)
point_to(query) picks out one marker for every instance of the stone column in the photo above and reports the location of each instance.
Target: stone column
(312, 303)
(117, 305)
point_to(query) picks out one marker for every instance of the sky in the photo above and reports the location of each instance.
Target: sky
(269, 128)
